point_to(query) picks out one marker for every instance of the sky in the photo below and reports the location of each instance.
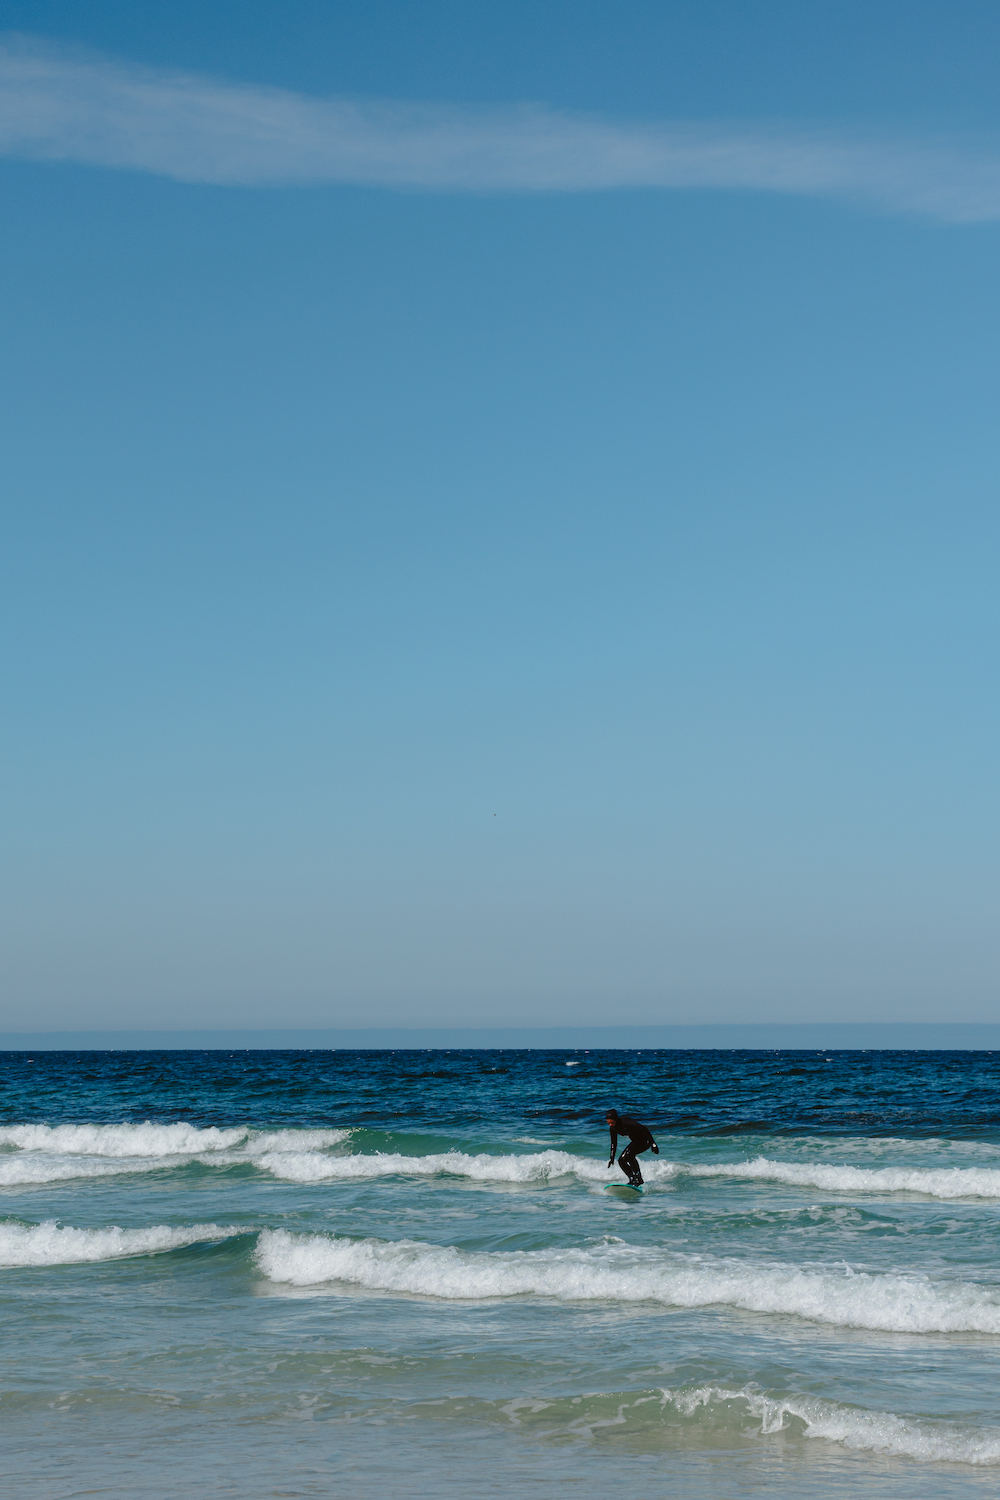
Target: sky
(499, 512)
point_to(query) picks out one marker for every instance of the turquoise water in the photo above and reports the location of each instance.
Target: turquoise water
(258, 1274)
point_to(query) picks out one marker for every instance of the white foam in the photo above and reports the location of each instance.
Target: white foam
(547, 1166)
(538, 1166)
(261, 1142)
(53, 1153)
(46, 1153)
(52, 1244)
(614, 1272)
(932, 1182)
(854, 1427)
(15, 1171)
(144, 1140)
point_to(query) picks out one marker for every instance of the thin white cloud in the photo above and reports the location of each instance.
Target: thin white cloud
(60, 107)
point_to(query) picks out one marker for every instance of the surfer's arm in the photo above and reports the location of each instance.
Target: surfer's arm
(614, 1148)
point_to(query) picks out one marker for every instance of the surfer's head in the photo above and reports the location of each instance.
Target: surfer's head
(612, 1114)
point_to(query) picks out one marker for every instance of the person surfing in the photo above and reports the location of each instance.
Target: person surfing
(639, 1139)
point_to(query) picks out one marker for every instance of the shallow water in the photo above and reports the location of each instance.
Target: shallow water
(258, 1274)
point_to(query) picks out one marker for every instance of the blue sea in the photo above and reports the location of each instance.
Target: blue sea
(263, 1274)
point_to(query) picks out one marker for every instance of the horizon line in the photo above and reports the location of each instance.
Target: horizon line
(687, 1036)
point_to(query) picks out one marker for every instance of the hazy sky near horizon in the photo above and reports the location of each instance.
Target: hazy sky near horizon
(499, 513)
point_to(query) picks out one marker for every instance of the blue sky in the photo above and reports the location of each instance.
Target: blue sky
(499, 515)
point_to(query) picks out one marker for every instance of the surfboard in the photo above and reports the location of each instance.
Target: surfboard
(623, 1187)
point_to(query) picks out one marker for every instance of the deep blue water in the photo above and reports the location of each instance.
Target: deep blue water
(401, 1273)
(877, 1093)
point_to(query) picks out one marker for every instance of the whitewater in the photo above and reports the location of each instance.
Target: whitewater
(623, 1273)
(402, 1274)
(41, 1153)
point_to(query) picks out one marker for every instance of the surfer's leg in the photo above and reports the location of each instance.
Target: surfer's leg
(629, 1165)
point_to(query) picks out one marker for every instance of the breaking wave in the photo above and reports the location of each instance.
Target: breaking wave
(748, 1414)
(538, 1166)
(47, 1153)
(52, 1244)
(932, 1182)
(865, 1431)
(621, 1273)
(51, 1153)
(548, 1166)
(119, 1140)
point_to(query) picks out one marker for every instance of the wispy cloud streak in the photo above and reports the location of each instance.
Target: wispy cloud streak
(60, 107)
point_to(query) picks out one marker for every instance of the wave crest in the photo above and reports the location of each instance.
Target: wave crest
(539, 1166)
(866, 1431)
(46, 1153)
(622, 1273)
(931, 1182)
(52, 1153)
(53, 1244)
(548, 1166)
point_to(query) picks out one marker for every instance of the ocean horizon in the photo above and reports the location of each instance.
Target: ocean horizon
(862, 1036)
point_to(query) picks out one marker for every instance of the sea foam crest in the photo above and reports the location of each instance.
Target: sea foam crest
(46, 1153)
(548, 1166)
(53, 1244)
(866, 1431)
(538, 1166)
(147, 1139)
(18, 1171)
(50, 1153)
(615, 1272)
(932, 1182)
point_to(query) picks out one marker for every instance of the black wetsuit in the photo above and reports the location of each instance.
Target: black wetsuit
(639, 1139)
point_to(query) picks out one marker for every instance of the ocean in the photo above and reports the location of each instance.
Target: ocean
(370, 1273)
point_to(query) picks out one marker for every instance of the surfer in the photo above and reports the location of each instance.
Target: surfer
(639, 1139)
